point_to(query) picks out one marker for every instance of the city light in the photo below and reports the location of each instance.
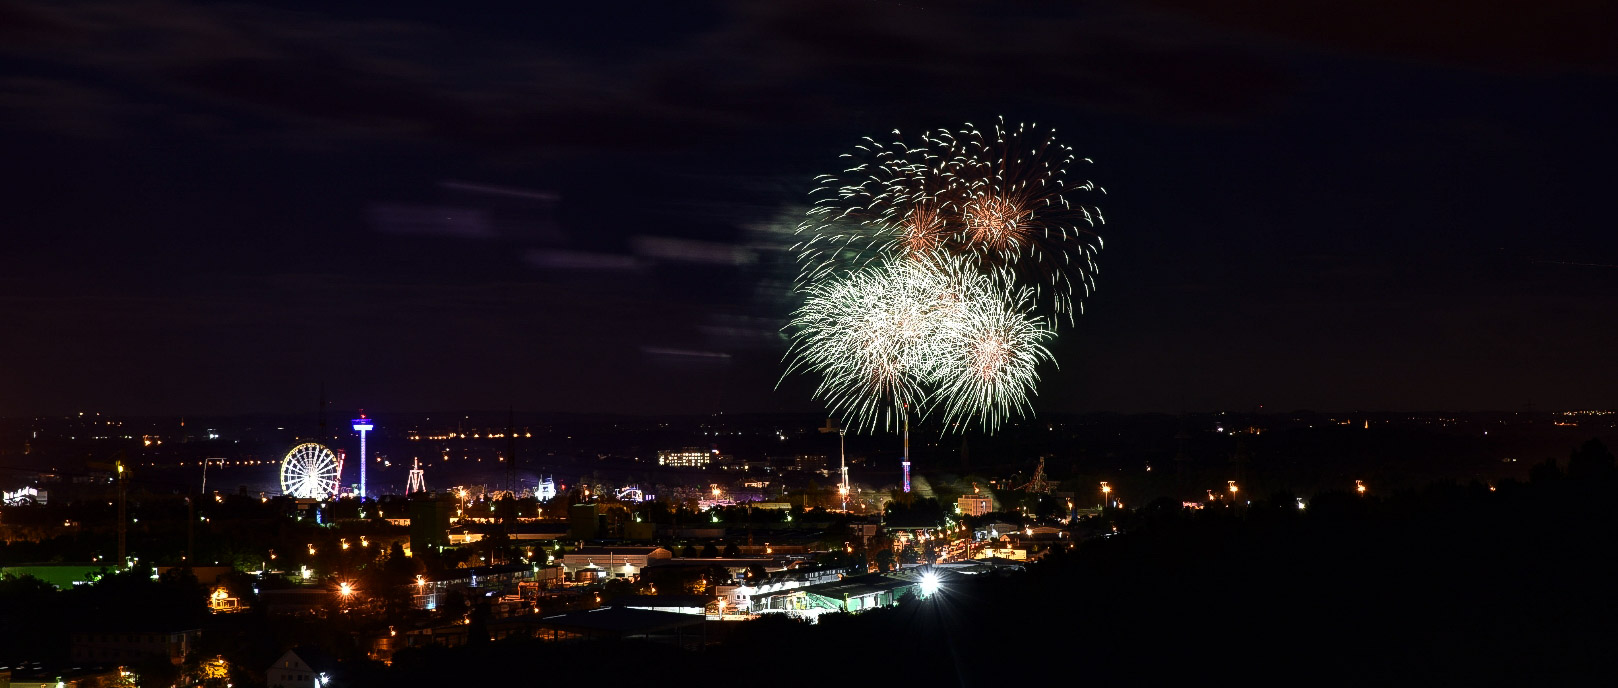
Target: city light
(1233, 488)
(929, 584)
(345, 589)
(1359, 486)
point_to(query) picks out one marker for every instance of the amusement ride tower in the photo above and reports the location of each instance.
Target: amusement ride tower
(418, 478)
(362, 425)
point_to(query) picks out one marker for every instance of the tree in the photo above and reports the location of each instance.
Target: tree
(616, 588)
(718, 575)
(688, 551)
(884, 559)
(1591, 461)
(1545, 472)
(908, 555)
(710, 551)
(731, 550)
(453, 605)
(390, 580)
(477, 629)
(155, 671)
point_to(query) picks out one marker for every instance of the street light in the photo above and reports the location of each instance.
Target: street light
(1359, 486)
(345, 589)
(1106, 493)
(1233, 489)
(929, 584)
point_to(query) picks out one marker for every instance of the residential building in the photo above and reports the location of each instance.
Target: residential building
(974, 504)
(809, 463)
(611, 562)
(688, 457)
(75, 677)
(127, 646)
(623, 623)
(300, 668)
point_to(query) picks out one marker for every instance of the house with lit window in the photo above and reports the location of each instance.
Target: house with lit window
(301, 668)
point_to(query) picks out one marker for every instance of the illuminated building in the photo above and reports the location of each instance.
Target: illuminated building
(611, 562)
(23, 497)
(974, 504)
(220, 601)
(362, 425)
(810, 463)
(689, 457)
(300, 668)
(853, 594)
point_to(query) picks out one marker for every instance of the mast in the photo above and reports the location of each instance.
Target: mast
(842, 461)
(906, 416)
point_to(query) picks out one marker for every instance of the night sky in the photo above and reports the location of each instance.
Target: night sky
(217, 208)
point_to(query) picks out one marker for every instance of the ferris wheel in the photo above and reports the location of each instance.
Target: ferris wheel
(310, 471)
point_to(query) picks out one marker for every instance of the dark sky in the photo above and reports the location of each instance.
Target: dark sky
(217, 207)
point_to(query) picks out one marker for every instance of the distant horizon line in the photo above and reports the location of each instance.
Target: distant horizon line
(649, 414)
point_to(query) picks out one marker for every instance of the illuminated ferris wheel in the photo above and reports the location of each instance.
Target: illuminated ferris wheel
(310, 471)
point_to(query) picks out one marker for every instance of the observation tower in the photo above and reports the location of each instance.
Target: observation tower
(362, 425)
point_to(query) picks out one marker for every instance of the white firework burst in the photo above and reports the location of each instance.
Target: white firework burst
(890, 339)
(1003, 196)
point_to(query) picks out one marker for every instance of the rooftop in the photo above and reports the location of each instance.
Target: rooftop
(620, 620)
(856, 586)
(642, 601)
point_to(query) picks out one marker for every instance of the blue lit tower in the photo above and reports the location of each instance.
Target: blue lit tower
(362, 425)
